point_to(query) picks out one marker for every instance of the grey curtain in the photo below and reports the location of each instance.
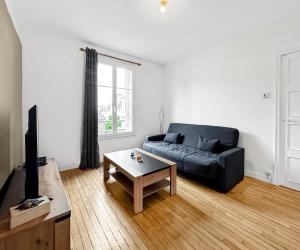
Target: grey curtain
(90, 148)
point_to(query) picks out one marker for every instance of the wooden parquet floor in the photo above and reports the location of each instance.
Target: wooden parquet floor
(253, 215)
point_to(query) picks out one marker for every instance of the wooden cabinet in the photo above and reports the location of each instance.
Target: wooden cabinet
(51, 231)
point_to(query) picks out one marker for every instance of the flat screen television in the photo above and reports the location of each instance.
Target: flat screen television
(32, 161)
(31, 154)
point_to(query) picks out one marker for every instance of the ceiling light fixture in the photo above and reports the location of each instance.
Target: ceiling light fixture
(163, 5)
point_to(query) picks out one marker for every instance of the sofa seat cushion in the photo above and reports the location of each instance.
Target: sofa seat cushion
(178, 153)
(159, 148)
(149, 145)
(202, 164)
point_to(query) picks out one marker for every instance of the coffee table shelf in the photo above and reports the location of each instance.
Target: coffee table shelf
(128, 184)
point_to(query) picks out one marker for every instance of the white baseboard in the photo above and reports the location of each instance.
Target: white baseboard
(256, 175)
(253, 174)
(60, 168)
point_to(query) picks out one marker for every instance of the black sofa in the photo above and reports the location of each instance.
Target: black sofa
(223, 168)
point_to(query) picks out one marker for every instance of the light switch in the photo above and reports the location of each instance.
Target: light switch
(266, 95)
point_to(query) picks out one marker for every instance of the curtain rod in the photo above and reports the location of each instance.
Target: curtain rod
(116, 58)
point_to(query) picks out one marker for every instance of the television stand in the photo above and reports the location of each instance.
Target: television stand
(51, 231)
(41, 161)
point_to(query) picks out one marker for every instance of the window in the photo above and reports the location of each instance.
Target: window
(115, 100)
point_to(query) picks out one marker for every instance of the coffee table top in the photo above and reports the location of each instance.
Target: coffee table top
(150, 163)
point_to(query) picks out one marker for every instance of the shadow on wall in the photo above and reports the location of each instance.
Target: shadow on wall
(4, 146)
(259, 163)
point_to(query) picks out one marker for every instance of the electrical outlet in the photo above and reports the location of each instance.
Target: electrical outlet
(269, 175)
(266, 95)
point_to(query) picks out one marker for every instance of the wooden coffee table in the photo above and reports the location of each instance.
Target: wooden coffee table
(140, 179)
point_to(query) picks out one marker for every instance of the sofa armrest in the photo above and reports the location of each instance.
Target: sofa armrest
(156, 137)
(231, 168)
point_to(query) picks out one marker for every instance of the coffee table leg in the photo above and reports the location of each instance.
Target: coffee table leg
(106, 166)
(173, 175)
(137, 195)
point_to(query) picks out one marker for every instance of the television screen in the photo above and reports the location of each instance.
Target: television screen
(31, 136)
(31, 164)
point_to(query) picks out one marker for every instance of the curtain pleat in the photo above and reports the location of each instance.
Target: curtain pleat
(90, 148)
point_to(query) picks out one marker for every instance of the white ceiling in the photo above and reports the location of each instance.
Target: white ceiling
(136, 27)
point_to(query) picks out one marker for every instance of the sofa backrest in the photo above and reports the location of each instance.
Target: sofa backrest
(229, 137)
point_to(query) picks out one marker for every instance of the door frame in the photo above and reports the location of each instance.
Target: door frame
(279, 143)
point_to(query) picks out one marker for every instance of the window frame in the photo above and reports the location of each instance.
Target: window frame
(115, 133)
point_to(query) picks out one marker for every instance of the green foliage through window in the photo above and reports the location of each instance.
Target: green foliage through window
(109, 126)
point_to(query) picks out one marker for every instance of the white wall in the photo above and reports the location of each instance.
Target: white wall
(221, 86)
(224, 86)
(53, 78)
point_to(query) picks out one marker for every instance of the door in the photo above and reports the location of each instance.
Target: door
(290, 143)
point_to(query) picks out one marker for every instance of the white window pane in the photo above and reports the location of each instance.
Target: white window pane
(124, 110)
(124, 78)
(105, 72)
(105, 120)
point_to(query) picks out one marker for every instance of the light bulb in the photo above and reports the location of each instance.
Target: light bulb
(162, 9)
